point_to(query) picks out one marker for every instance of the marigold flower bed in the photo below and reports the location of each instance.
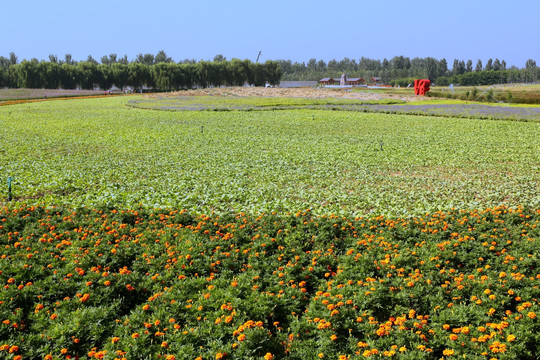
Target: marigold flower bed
(166, 284)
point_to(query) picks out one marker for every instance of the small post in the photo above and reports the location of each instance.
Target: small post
(202, 129)
(381, 144)
(9, 180)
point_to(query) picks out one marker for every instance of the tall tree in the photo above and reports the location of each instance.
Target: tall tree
(497, 65)
(431, 68)
(13, 58)
(489, 65)
(69, 59)
(468, 67)
(92, 60)
(479, 66)
(219, 58)
(161, 56)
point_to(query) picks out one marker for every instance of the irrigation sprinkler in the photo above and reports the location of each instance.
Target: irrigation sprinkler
(9, 180)
(202, 129)
(381, 144)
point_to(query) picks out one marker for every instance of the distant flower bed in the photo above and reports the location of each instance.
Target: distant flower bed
(478, 111)
(19, 94)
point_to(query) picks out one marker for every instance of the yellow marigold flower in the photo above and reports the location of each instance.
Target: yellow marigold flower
(531, 315)
(268, 356)
(453, 337)
(333, 337)
(367, 353)
(448, 352)
(510, 338)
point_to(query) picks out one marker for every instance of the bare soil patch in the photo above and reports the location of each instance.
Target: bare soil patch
(316, 93)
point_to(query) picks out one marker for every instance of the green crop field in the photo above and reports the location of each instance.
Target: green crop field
(216, 228)
(88, 152)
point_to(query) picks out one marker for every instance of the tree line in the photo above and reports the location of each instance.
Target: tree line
(157, 72)
(400, 70)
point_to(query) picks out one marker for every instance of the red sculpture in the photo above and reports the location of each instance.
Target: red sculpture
(421, 86)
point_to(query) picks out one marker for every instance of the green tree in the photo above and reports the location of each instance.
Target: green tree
(50, 74)
(489, 65)
(13, 58)
(479, 66)
(88, 76)
(272, 72)
(161, 56)
(106, 79)
(68, 76)
(138, 75)
(431, 68)
(468, 67)
(219, 58)
(120, 75)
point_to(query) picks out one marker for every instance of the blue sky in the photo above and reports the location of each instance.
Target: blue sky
(282, 29)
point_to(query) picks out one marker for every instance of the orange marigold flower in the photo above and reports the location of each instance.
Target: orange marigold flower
(268, 356)
(531, 315)
(510, 338)
(63, 351)
(333, 337)
(453, 337)
(13, 349)
(135, 335)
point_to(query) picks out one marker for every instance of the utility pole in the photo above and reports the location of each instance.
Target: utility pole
(258, 56)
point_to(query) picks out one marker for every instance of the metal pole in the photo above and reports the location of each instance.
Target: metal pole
(9, 180)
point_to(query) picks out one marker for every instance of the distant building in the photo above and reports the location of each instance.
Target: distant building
(355, 81)
(327, 81)
(343, 81)
(375, 80)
